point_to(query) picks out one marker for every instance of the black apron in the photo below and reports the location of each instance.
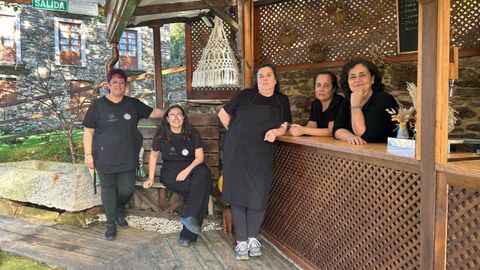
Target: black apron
(247, 158)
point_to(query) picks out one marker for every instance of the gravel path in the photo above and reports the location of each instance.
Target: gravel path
(161, 225)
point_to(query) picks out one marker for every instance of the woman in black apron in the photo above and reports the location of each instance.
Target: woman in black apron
(183, 169)
(253, 119)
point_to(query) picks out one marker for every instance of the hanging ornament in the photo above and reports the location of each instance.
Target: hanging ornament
(217, 66)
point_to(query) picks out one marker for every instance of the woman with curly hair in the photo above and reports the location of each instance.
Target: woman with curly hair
(362, 116)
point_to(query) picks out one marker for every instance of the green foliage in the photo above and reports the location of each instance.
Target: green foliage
(177, 46)
(15, 6)
(50, 146)
(13, 262)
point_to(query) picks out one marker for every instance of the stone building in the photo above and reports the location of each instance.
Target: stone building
(50, 54)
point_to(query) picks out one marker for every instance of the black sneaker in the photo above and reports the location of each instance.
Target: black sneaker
(121, 222)
(110, 232)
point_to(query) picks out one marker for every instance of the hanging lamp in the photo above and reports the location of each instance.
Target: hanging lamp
(217, 66)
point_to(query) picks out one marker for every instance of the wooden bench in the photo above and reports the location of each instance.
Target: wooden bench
(208, 126)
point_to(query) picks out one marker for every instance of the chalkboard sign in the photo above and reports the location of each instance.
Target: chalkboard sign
(407, 14)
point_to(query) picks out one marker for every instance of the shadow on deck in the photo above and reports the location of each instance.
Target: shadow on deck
(84, 248)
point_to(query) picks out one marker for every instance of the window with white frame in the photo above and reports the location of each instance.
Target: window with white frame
(8, 90)
(70, 42)
(10, 52)
(130, 50)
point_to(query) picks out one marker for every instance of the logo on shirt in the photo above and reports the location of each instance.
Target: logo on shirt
(185, 152)
(127, 116)
(111, 117)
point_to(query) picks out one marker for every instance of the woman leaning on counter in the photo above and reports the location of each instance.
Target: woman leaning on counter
(253, 119)
(362, 117)
(324, 108)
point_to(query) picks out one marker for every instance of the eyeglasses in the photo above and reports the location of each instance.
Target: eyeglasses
(175, 116)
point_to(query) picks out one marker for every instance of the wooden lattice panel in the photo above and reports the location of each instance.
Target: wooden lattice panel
(200, 35)
(340, 213)
(463, 244)
(369, 29)
(465, 22)
(366, 29)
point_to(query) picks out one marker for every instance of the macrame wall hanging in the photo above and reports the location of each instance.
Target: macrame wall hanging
(217, 66)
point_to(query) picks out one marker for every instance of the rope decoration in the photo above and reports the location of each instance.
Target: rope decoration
(217, 66)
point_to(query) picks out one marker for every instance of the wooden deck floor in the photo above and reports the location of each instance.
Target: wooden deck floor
(84, 248)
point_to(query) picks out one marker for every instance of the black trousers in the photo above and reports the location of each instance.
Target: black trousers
(117, 189)
(247, 221)
(195, 189)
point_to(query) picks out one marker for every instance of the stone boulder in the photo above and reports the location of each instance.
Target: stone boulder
(53, 184)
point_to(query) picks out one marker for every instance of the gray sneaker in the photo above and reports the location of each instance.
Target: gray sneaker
(241, 250)
(254, 247)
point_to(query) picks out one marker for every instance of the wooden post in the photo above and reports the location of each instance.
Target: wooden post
(442, 93)
(441, 221)
(248, 41)
(434, 18)
(157, 51)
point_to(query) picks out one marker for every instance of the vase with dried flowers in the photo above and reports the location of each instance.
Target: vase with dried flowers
(403, 118)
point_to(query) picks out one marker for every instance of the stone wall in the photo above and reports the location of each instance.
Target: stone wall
(38, 46)
(298, 85)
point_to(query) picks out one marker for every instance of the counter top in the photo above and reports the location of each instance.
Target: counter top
(470, 168)
(376, 150)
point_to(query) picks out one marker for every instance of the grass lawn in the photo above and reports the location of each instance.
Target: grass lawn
(48, 146)
(13, 262)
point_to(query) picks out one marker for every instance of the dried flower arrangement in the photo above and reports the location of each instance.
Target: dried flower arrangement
(402, 117)
(452, 119)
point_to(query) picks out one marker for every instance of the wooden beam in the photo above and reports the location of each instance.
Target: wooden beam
(240, 38)
(441, 224)
(118, 14)
(162, 22)
(256, 37)
(248, 43)
(225, 17)
(157, 52)
(442, 89)
(177, 7)
(426, 130)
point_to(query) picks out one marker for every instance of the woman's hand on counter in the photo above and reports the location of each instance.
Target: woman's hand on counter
(357, 140)
(296, 130)
(270, 136)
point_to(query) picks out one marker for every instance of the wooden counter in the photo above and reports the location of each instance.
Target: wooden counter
(375, 150)
(339, 206)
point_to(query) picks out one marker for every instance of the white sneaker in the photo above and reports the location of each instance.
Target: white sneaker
(254, 247)
(241, 250)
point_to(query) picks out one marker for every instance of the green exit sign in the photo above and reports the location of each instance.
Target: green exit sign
(55, 5)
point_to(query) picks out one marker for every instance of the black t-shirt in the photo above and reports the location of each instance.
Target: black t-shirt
(322, 118)
(252, 96)
(92, 117)
(178, 149)
(378, 123)
(116, 140)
